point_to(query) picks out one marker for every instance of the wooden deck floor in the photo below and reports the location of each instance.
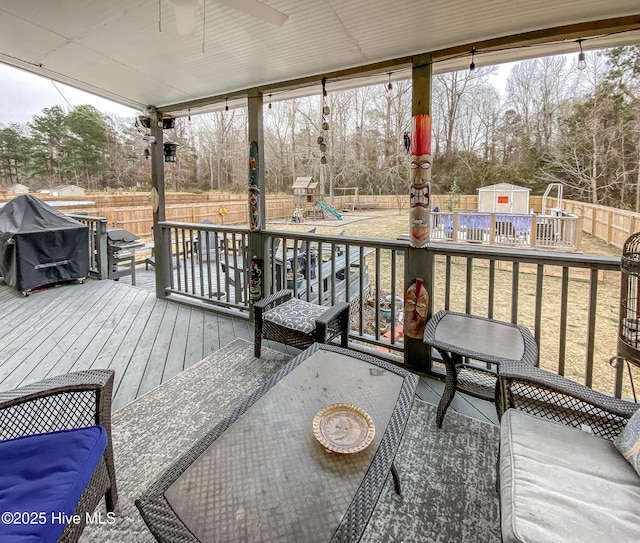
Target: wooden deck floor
(108, 324)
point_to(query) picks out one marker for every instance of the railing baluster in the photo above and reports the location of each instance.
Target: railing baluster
(218, 252)
(271, 263)
(515, 282)
(294, 270)
(393, 297)
(347, 286)
(360, 285)
(193, 263)
(377, 295)
(447, 282)
(177, 247)
(333, 273)
(564, 303)
(538, 309)
(469, 290)
(591, 326)
(492, 287)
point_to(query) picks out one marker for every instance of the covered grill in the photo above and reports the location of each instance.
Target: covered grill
(40, 246)
(121, 248)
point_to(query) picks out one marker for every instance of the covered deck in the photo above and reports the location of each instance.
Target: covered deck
(126, 52)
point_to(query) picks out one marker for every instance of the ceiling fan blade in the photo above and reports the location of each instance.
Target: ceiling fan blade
(257, 9)
(184, 12)
(185, 19)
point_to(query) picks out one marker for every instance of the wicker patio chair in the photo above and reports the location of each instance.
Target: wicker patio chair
(560, 476)
(559, 399)
(298, 323)
(67, 402)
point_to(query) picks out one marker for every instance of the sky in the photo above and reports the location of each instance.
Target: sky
(24, 95)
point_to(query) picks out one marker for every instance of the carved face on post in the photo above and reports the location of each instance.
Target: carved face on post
(416, 305)
(420, 192)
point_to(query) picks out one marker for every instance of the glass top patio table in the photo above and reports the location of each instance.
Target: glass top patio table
(261, 475)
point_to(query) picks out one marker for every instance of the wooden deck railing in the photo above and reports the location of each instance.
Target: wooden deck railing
(98, 257)
(569, 301)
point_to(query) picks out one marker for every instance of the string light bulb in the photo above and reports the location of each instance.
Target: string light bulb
(269, 102)
(472, 66)
(226, 104)
(389, 86)
(582, 63)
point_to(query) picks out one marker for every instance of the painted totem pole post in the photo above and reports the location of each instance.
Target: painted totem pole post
(419, 263)
(420, 193)
(255, 279)
(254, 189)
(255, 270)
(259, 282)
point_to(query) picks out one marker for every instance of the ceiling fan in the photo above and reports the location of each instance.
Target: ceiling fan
(185, 12)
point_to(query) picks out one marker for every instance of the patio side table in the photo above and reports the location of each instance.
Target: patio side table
(465, 342)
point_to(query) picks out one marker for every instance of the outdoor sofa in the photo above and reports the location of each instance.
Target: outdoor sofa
(561, 475)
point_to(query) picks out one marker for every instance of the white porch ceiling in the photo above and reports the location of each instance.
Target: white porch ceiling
(115, 48)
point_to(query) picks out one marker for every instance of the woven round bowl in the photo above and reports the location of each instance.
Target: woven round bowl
(343, 428)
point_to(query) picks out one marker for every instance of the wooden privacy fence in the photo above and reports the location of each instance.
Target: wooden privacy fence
(133, 211)
(608, 224)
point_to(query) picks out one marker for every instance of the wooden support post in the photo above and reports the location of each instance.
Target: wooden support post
(162, 251)
(419, 263)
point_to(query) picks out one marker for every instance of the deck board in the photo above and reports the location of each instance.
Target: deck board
(126, 362)
(176, 353)
(110, 348)
(211, 333)
(195, 343)
(108, 324)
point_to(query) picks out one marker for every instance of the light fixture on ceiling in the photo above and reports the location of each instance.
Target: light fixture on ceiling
(472, 66)
(582, 63)
(389, 86)
(185, 12)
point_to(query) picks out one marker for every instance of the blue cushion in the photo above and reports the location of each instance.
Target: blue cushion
(42, 477)
(628, 442)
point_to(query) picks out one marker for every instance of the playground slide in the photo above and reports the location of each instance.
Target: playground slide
(329, 209)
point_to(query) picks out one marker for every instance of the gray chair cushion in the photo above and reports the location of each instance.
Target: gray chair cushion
(559, 483)
(296, 314)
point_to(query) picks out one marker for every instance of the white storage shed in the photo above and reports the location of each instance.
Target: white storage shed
(503, 198)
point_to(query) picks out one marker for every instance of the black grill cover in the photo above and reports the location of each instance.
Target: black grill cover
(39, 245)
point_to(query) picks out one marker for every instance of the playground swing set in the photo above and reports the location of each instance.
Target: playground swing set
(308, 203)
